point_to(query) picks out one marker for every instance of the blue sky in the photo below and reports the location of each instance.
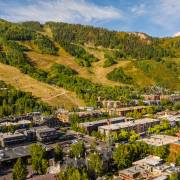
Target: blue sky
(155, 17)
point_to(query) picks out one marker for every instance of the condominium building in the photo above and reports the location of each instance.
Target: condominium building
(139, 126)
(7, 139)
(93, 126)
(46, 134)
(125, 110)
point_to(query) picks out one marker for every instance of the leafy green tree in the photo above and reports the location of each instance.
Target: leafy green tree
(58, 153)
(96, 134)
(178, 159)
(114, 136)
(95, 163)
(125, 154)
(124, 135)
(19, 170)
(174, 176)
(37, 158)
(77, 150)
(45, 45)
(93, 145)
(161, 151)
(73, 174)
(121, 157)
(44, 166)
(118, 75)
(149, 110)
(176, 106)
(133, 136)
(137, 115)
(15, 102)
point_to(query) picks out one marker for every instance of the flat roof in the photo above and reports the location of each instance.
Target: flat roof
(46, 129)
(17, 152)
(128, 124)
(21, 122)
(13, 153)
(38, 127)
(10, 135)
(149, 160)
(101, 121)
(132, 170)
(160, 140)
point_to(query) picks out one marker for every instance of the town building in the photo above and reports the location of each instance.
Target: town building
(125, 110)
(173, 119)
(135, 173)
(172, 97)
(139, 126)
(150, 161)
(8, 139)
(151, 167)
(11, 154)
(20, 123)
(93, 126)
(40, 133)
(65, 115)
(46, 134)
(160, 140)
(111, 104)
(50, 121)
(151, 97)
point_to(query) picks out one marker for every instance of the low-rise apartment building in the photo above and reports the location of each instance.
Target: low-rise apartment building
(93, 126)
(7, 139)
(65, 116)
(41, 133)
(46, 134)
(20, 123)
(125, 110)
(139, 126)
(172, 97)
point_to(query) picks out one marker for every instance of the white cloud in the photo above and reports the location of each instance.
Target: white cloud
(166, 13)
(78, 11)
(138, 10)
(176, 34)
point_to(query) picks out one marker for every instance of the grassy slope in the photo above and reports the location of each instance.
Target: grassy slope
(161, 74)
(96, 73)
(54, 96)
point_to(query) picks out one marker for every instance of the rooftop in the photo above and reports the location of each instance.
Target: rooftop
(171, 117)
(46, 129)
(149, 160)
(17, 152)
(21, 122)
(102, 121)
(160, 140)
(13, 153)
(132, 171)
(10, 135)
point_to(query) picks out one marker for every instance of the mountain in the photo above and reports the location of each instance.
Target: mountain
(69, 65)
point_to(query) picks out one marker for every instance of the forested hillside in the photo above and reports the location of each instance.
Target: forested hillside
(91, 61)
(14, 102)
